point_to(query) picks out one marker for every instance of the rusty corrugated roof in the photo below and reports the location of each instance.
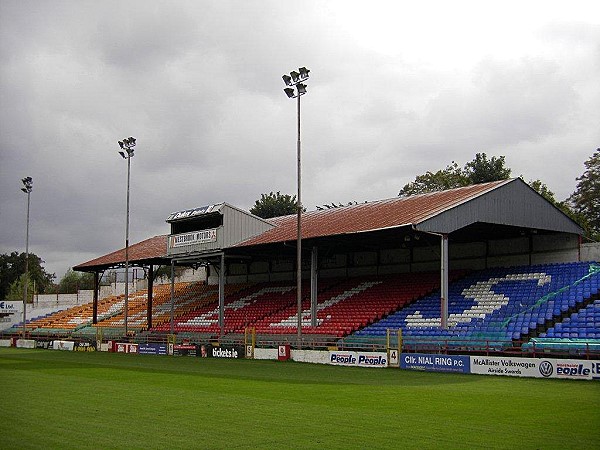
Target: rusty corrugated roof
(393, 212)
(371, 216)
(149, 249)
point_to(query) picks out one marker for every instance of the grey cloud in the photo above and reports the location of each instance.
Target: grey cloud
(507, 103)
(198, 83)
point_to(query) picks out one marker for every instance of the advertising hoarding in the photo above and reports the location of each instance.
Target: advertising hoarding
(196, 237)
(226, 351)
(435, 363)
(359, 359)
(63, 345)
(536, 367)
(10, 308)
(152, 349)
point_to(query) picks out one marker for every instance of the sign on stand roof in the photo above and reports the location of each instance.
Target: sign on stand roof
(189, 213)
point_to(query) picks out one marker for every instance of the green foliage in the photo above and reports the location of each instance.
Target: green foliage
(564, 206)
(484, 170)
(543, 190)
(585, 200)
(274, 205)
(12, 266)
(16, 290)
(583, 206)
(479, 170)
(271, 404)
(449, 178)
(72, 281)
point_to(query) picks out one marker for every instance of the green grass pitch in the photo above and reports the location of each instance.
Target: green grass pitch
(59, 400)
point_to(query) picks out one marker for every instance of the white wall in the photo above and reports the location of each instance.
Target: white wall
(590, 252)
(34, 311)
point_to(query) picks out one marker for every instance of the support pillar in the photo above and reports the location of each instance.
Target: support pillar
(150, 294)
(172, 297)
(314, 262)
(222, 296)
(95, 301)
(444, 281)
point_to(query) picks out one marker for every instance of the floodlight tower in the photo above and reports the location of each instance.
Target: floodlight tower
(126, 152)
(27, 188)
(296, 80)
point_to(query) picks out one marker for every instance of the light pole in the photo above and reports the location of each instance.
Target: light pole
(296, 79)
(126, 152)
(27, 188)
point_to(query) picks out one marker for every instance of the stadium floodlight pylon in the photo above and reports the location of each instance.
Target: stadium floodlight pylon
(127, 146)
(27, 188)
(296, 79)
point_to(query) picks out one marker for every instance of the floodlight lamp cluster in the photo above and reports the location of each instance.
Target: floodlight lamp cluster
(295, 79)
(127, 145)
(27, 185)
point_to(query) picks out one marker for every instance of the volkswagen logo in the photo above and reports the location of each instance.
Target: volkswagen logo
(546, 368)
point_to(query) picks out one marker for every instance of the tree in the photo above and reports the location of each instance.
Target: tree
(12, 266)
(543, 190)
(16, 290)
(585, 201)
(451, 177)
(274, 205)
(483, 170)
(564, 206)
(72, 281)
(479, 170)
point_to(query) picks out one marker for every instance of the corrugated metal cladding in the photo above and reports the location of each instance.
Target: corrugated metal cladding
(515, 204)
(237, 226)
(377, 215)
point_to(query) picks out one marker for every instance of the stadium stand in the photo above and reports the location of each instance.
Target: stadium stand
(184, 294)
(500, 305)
(78, 320)
(579, 332)
(582, 324)
(555, 306)
(344, 306)
(74, 318)
(348, 305)
(244, 304)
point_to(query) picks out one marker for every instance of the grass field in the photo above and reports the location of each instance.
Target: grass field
(105, 400)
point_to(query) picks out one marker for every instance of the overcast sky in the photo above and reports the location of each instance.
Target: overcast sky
(395, 89)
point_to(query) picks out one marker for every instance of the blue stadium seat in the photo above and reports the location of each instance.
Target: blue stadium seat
(530, 296)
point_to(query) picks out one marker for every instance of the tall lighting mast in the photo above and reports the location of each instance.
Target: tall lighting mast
(295, 89)
(126, 152)
(27, 188)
